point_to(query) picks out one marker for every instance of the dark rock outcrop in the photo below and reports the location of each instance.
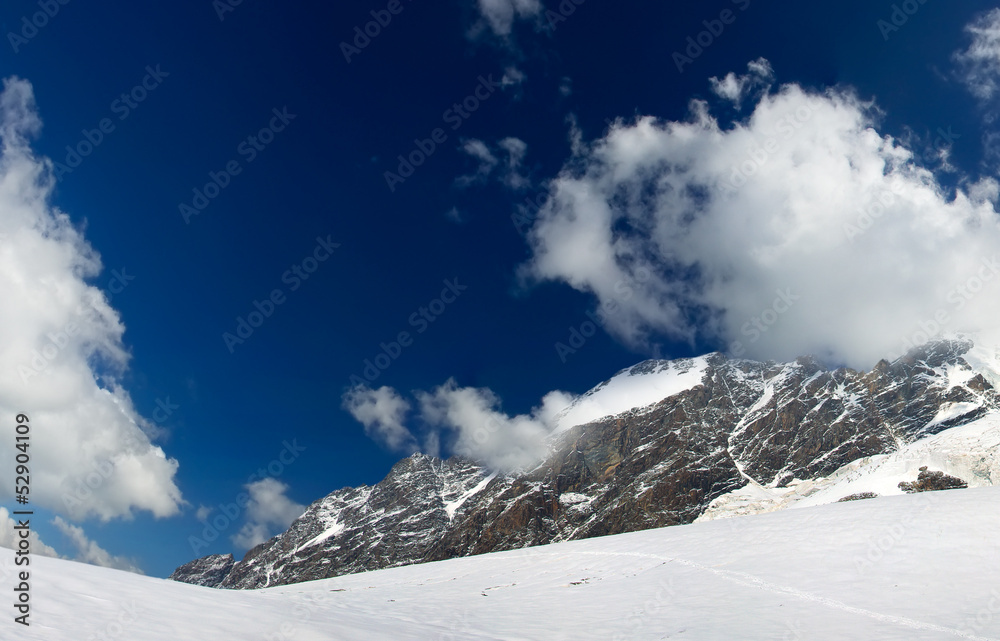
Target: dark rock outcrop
(932, 481)
(858, 497)
(209, 571)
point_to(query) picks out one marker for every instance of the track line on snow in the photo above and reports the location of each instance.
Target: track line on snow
(749, 580)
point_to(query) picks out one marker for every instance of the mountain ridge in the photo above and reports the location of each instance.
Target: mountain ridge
(744, 424)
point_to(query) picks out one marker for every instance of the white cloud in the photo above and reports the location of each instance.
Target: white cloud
(268, 513)
(516, 150)
(694, 230)
(500, 15)
(980, 62)
(382, 412)
(480, 431)
(203, 512)
(509, 169)
(10, 537)
(735, 88)
(487, 161)
(470, 423)
(87, 551)
(61, 348)
(512, 76)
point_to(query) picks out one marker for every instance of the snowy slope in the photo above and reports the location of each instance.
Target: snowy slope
(647, 383)
(970, 452)
(916, 567)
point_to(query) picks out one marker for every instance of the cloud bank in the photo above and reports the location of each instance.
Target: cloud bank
(61, 349)
(10, 539)
(87, 551)
(798, 230)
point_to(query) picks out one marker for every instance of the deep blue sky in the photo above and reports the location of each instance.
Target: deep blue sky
(323, 176)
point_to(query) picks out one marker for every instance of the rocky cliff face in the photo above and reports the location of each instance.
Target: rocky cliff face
(209, 571)
(742, 422)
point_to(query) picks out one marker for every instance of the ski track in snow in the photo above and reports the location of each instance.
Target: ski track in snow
(758, 583)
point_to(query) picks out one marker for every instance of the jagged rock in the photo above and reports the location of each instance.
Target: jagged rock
(647, 467)
(932, 481)
(858, 497)
(209, 571)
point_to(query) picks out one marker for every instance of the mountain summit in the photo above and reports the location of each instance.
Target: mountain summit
(661, 443)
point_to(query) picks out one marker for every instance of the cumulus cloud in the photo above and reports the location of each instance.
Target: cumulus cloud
(382, 412)
(479, 430)
(506, 169)
(10, 539)
(87, 551)
(468, 422)
(499, 15)
(268, 512)
(62, 348)
(798, 230)
(979, 64)
(735, 88)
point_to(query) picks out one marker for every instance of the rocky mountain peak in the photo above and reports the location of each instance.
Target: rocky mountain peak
(657, 444)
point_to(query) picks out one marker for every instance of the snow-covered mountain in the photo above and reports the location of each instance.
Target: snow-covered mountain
(662, 443)
(918, 567)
